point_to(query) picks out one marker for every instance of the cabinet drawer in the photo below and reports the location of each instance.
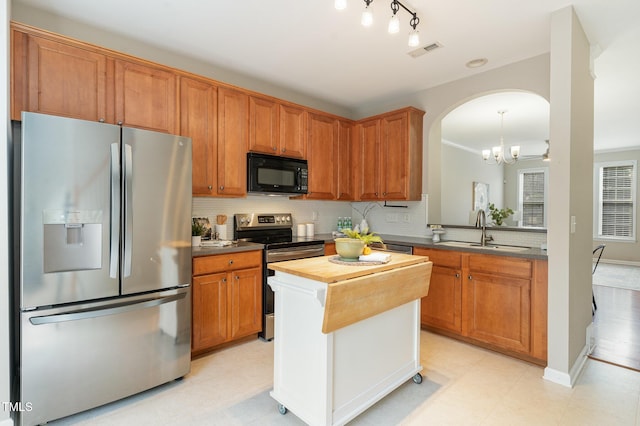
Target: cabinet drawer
(226, 262)
(499, 265)
(442, 258)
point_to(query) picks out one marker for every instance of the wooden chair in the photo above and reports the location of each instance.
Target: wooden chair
(596, 252)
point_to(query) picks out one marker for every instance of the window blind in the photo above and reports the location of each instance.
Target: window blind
(617, 201)
(533, 198)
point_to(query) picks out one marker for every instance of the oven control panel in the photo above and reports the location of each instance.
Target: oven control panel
(270, 220)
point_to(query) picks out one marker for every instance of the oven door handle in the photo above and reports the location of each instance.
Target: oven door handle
(273, 255)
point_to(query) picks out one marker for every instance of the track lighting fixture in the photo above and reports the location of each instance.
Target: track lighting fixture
(394, 23)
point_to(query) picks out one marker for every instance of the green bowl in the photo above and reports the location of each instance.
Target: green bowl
(349, 248)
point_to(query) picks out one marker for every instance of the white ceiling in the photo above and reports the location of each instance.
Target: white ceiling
(309, 46)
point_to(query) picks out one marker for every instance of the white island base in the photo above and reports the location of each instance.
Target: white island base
(328, 378)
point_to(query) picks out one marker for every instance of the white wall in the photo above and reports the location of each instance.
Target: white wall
(570, 196)
(464, 168)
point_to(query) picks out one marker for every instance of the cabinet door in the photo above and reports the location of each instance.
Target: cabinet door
(145, 97)
(322, 150)
(345, 156)
(292, 131)
(393, 157)
(369, 160)
(246, 302)
(209, 311)
(442, 307)
(198, 120)
(233, 124)
(263, 125)
(66, 80)
(497, 310)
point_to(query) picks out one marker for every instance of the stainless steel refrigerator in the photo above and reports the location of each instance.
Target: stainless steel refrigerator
(103, 263)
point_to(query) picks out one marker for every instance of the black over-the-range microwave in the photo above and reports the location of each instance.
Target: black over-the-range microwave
(268, 174)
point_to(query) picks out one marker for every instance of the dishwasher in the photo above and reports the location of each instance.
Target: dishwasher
(393, 248)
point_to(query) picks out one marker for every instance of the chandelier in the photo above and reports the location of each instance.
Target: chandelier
(394, 23)
(496, 155)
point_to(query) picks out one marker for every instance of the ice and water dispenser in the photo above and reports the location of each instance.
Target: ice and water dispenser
(72, 240)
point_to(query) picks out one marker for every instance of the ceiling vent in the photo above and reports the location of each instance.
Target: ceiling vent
(425, 49)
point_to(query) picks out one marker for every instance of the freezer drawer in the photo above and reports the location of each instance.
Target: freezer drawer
(74, 359)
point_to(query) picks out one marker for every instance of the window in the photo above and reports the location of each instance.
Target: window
(532, 197)
(616, 200)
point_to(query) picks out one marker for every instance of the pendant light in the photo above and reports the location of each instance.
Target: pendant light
(497, 153)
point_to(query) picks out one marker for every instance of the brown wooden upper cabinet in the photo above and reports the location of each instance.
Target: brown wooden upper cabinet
(56, 78)
(378, 158)
(199, 121)
(390, 156)
(292, 131)
(233, 138)
(276, 128)
(145, 97)
(263, 125)
(322, 150)
(346, 168)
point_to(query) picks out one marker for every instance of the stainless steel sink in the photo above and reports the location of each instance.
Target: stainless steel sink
(477, 245)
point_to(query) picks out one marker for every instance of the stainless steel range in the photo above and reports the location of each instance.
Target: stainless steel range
(274, 230)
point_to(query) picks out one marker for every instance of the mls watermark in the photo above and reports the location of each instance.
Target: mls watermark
(17, 406)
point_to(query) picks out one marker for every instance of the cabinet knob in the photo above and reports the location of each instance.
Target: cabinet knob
(274, 148)
(457, 275)
(376, 194)
(210, 187)
(237, 277)
(470, 277)
(119, 123)
(224, 280)
(384, 193)
(284, 149)
(101, 120)
(230, 261)
(221, 187)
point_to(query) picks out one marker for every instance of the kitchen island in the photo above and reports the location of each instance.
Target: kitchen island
(346, 335)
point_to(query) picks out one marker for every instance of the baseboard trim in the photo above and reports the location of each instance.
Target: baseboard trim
(567, 379)
(619, 262)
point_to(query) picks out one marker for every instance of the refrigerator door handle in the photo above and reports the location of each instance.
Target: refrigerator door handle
(119, 308)
(115, 211)
(128, 197)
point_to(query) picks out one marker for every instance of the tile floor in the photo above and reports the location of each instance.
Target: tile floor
(464, 385)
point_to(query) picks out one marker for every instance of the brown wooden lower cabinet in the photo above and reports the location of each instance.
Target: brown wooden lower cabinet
(227, 299)
(496, 301)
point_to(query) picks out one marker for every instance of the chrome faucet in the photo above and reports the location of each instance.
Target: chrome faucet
(481, 222)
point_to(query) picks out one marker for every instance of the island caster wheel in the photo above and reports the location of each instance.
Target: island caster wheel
(282, 409)
(417, 378)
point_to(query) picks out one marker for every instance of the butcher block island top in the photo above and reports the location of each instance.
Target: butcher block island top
(356, 292)
(321, 269)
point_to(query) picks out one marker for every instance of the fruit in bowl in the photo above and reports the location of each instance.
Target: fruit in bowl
(349, 248)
